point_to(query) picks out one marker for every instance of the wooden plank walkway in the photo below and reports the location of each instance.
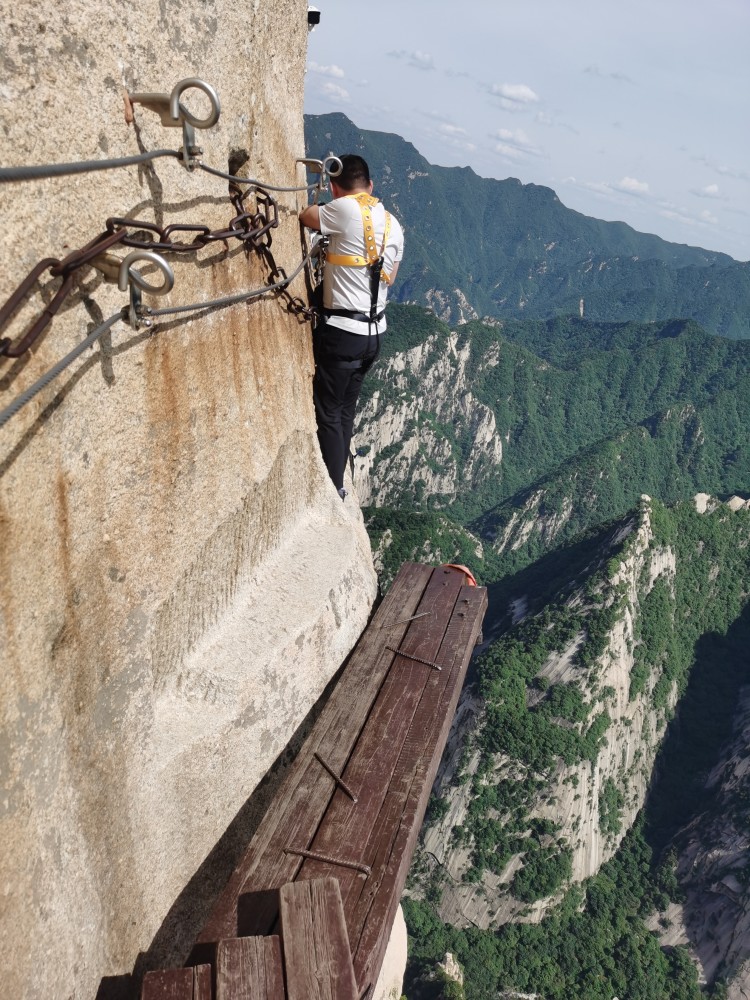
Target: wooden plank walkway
(178, 984)
(249, 968)
(349, 811)
(317, 959)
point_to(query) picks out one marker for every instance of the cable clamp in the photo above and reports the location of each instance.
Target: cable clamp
(331, 166)
(174, 114)
(128, 276)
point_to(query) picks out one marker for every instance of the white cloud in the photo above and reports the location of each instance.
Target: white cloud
(335, 92)
(632, 186)
(628, 185)
(451, 130)
(514, 144)
(334, 71)
(417, 59)
(708, 218)
(514, 96)
(680, 217)
(437, 116)
(709, 191)
(723, 169)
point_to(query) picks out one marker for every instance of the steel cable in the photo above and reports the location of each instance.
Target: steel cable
(8, 174)
(230, 300)
(41, 383)
(42, 171)
(247, 180)
(49, 376)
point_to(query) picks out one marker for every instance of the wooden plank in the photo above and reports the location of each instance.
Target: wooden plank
(202, 982)
(317, 959)
(423, 744)
(297, 809)
(408, 796)
(249, 968)
(346, 828)
(168, 984)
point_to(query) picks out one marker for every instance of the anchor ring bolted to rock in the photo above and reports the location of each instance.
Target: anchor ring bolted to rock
(179, 112)
(129, 276)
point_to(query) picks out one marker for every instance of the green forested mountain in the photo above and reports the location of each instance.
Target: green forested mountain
(522, 785)
(577, 784)
(591, 416)
(587, 835)
(478, 247)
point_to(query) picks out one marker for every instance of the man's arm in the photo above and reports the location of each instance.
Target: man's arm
(310, 217)
(393, 272)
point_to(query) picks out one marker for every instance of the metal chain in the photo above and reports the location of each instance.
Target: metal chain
(228, 300)
(251, 228)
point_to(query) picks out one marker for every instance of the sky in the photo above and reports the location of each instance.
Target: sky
(633, 111)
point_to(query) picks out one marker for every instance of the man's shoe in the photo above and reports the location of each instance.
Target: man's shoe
(342, 493)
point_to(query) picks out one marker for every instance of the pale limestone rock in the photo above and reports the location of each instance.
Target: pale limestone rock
(451, 968)
(391, 979)
(179, 579)
(418, 454)
(714, 920)
(571, 795)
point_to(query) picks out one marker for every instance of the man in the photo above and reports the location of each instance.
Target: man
(365, 246)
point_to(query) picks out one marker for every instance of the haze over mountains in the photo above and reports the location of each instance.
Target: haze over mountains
(588, 833)
(479, 247)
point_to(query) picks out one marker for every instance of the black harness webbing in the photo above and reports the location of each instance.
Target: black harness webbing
(352, 314)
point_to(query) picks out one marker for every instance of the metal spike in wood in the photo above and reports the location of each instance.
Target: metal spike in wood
(336, 777)
(417, 659)
(403, 621)
(328, 860)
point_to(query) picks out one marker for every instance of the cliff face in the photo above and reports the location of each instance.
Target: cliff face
(712, 868)
(572, 800)
(411, 432)
(163, 504)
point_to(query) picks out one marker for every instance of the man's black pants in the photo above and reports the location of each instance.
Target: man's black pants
(342, 360)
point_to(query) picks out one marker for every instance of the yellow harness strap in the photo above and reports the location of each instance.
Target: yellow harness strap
(366, 203)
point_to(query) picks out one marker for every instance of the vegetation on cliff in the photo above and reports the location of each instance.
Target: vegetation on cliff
(521, 445)
(595, 942)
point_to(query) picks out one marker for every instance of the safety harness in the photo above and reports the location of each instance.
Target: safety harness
(371, 259)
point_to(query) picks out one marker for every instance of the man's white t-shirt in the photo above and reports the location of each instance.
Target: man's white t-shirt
(349, 287)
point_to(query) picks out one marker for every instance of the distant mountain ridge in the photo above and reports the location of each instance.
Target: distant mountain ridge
(530, 419)
(479, 247)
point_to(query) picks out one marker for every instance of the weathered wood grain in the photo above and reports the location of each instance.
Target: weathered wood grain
(168, 984)
(346, 827)
(317, 959)
(202, 982)
(402, 815)
(178, 984)
(296, 811)
(249, 968)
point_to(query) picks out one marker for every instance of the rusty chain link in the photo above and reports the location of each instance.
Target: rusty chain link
(252, 229)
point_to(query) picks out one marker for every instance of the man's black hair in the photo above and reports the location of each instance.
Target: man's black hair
(355, 175)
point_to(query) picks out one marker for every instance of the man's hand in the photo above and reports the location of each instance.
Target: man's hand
(310, 217)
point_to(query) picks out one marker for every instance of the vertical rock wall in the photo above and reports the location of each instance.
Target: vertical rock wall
(178, 578)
